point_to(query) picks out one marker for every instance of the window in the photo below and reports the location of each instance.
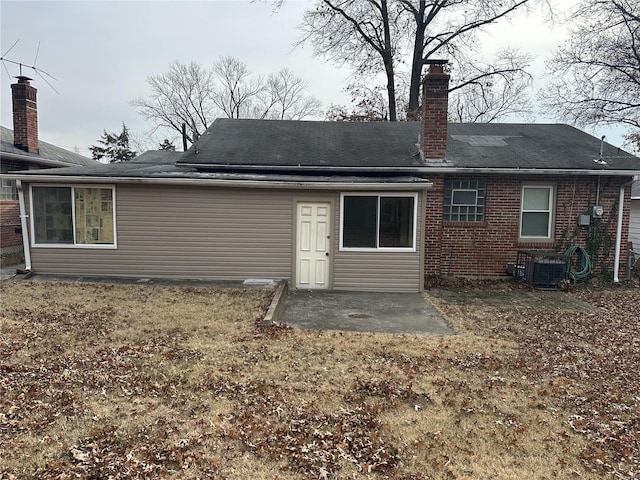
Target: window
(464, 200)
(536, 212)
(8, 190)
(378, 221)
(81, 216)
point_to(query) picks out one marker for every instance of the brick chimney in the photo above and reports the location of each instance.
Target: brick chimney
(435, 98)
(25, 115)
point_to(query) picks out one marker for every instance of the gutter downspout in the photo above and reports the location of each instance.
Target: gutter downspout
(616, 266)
(23, 225)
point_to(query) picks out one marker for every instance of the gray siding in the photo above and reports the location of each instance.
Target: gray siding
(223, 234)
(380, 271)
(634, 225)
(187, 232)
(377, 272)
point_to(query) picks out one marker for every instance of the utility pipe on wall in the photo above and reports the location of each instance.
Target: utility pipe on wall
(616, 262)
(24, 226)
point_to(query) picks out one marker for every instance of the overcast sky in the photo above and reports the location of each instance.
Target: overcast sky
(101, 54)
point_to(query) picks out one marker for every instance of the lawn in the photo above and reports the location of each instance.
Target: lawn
(139, 381)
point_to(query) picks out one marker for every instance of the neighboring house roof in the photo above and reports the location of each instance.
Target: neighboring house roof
(48, 154)
(158, 157)
(251, 144)
(635, 191)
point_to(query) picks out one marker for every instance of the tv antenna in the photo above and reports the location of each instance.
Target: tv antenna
(38, 71)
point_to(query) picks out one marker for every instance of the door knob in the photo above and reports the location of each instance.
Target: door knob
(327, 254)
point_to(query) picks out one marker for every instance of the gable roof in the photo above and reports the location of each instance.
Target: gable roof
(48, 154)
(282, 144)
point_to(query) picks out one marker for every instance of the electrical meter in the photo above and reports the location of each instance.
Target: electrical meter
(597, 211)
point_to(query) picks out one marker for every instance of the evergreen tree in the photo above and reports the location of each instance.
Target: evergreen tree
(166, 145)
(115, 147)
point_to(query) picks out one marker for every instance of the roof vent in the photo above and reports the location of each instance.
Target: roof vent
(600, 160)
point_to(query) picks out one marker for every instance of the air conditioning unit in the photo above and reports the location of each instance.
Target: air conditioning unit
(542, 269)
(545, 272)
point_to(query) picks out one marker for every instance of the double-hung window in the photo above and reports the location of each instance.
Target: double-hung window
(73, 216)
(536, 214)
(377, 222)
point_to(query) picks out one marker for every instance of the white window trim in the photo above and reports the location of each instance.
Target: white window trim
(551, 211)
(379, 194)
(110, 246)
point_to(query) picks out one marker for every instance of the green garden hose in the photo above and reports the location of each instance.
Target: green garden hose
(585, 264)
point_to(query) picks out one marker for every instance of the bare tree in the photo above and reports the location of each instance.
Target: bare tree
(368, 104)
(286, 98)
(634, 140)
(236, 88)
(448, 29)
(280, 96)
(184, 94)
(143, 141)
(597, 75)
(360, 113)
(194, 95)
(360, 32)
(489, 93)
(370, 34)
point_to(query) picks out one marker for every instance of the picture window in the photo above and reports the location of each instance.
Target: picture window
(378, 221)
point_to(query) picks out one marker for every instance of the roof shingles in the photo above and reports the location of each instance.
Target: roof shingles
(47, 151)
(303, 144)
(297, 149)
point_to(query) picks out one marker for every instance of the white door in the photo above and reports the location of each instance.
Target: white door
(313, 245)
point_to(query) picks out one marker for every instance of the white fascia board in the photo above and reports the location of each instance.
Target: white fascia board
(222, 183)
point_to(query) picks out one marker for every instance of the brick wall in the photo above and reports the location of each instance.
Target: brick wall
(25, 115)
(9, 221)
(435, 94)
(485, 248)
